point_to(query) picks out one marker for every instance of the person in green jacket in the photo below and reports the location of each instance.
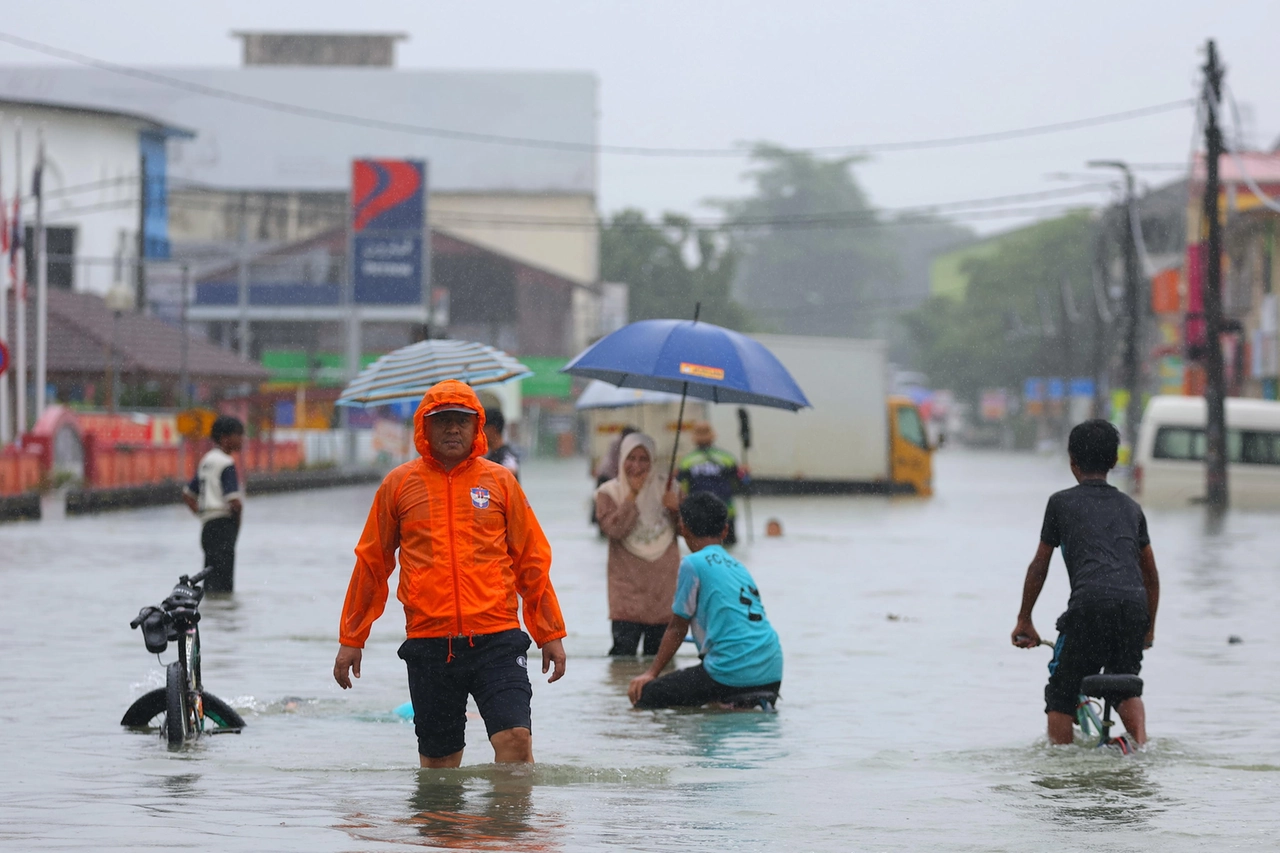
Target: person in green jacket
(710, 469)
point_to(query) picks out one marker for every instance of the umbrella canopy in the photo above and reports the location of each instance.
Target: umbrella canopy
(700, 359)
(602, 395)
(407, 373)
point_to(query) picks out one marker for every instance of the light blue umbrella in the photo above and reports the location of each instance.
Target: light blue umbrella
(406, 374)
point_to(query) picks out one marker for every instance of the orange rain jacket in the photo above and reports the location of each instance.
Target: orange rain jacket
(468, 542)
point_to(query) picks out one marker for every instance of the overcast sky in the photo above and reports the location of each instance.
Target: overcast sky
(802, 73)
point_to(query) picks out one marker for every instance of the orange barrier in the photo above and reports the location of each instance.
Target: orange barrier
(19, 471)
(131, 465)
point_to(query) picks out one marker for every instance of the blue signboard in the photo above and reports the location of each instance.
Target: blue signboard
(1033, 390)
(389, 252)
(388, 269)
(1082, 387)
(1055, 389)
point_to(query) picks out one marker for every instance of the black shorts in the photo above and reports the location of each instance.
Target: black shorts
(692, 687)
(1106, 636)
(491, 667)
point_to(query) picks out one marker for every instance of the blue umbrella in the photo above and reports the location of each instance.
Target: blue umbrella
(691, 359)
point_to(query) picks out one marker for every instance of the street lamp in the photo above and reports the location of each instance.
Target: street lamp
(1133, 412)
(120, 298)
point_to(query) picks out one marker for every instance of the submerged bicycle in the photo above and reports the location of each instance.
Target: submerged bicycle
(182, 702)
(1112, 688)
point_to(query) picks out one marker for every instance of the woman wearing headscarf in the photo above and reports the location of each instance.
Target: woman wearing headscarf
(636, 512)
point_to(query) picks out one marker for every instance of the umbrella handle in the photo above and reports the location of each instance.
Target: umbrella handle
(671, 471)
(684, 393)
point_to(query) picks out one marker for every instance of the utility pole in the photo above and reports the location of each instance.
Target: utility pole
(42, 281)
(5, 431)
(19, 298)
(140, 271)
(184, 380)
(1132, 308)
(1215, 455)
(242, 278)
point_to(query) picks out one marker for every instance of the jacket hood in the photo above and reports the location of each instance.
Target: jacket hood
(450, 392)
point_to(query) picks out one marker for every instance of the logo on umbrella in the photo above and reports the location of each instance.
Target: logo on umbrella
(701, 371)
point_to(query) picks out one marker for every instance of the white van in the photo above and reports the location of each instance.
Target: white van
(1171, 446)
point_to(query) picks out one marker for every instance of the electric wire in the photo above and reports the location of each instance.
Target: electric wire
(738, 151)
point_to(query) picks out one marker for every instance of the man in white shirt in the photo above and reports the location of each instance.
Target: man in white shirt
(216, 495)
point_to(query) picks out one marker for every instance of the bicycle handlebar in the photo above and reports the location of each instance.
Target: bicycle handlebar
(201, 575)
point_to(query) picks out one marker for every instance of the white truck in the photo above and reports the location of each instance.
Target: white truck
(856, 438)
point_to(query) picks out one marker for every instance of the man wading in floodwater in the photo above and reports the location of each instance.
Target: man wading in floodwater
(469, 543)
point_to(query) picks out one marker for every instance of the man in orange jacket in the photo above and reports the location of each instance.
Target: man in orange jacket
(469, 544)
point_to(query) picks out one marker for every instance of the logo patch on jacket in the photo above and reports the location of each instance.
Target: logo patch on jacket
(480, 498)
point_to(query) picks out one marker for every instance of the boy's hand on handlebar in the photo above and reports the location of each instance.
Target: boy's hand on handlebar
(1025, 635)
(346, 665)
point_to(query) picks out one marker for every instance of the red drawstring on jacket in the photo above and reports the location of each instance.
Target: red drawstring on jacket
(450, 657)
(472, 641)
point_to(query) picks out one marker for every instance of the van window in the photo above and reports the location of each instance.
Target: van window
(1251, 447)
(909, 426)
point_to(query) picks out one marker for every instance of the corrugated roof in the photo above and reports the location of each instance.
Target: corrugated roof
(81, 328)
(241, 146)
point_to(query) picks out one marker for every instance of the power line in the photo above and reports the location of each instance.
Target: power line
(584, 147)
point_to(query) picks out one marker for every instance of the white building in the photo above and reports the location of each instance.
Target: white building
(534, 200)
(92, 186)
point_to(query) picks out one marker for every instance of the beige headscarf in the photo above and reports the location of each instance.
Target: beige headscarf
(653, 532)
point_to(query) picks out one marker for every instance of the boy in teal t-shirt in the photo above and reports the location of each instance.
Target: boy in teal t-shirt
(718, 600)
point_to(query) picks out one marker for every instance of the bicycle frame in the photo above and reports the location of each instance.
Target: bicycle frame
(189, 660)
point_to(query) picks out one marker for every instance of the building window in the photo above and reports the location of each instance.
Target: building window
(60, 243)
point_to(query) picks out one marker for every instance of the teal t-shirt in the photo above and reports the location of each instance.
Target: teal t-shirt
(720, 599)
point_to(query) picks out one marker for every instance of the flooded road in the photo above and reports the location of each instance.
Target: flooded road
(907, 722)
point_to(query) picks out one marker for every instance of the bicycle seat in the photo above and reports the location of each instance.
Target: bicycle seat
(764, 699)
(1113, 687)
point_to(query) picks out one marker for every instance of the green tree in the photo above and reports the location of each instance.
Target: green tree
(670, 267)
(815, 257)
(1026, 311)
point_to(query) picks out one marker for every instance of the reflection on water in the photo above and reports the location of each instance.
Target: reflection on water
(1118, 792)
(472, 808)
(449, 811)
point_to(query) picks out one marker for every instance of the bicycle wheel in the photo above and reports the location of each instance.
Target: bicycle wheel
(146, 708)
(177, 716)
(221, 713)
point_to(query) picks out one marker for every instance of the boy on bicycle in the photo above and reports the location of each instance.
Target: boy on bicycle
(1115, 588)
(716, 597)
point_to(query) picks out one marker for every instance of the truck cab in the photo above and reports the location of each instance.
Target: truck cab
(910, 455)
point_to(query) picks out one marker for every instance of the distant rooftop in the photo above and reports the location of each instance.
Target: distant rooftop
(325, 49)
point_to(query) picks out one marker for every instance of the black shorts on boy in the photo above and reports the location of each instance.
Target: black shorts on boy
(1101, 636)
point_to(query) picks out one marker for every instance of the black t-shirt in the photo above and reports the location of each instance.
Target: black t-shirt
(1101, 532)
(507, 458)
